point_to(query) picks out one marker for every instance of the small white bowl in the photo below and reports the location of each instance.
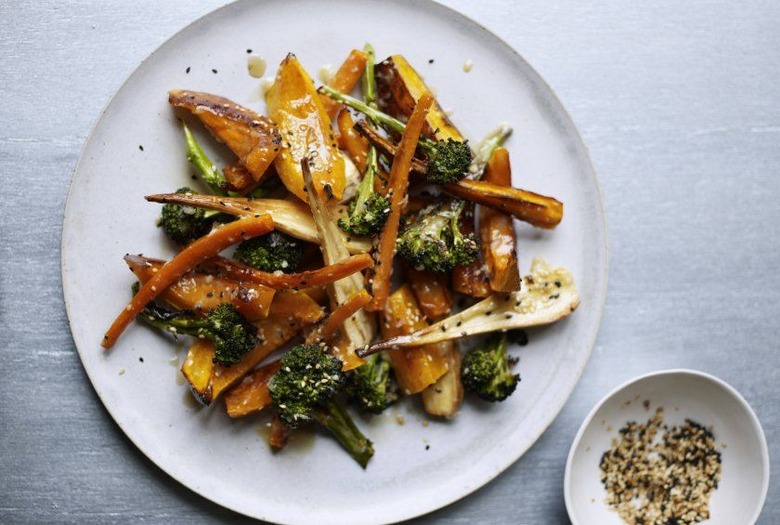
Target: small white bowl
(683, 394)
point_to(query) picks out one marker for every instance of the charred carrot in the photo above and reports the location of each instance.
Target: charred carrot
(326, 275)
(345, 79)
(398, 184)
(199, 251)
(497, 231)
(331, 324)
(351, 141)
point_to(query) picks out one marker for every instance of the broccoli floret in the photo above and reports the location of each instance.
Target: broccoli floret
(304, 389)
(485, 371)
(370, 387)
(433, 241)
(183, 224)
(448, 160)
(369, 210)
(271, 252)
(232, 334)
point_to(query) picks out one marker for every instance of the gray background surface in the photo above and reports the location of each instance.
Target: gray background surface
(679, 105)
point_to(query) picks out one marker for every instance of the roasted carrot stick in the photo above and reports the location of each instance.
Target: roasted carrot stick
(398, 184)
(351, 141)
(201, 292)
(326, 275)
(204, 248)
(331, 324)
(345, 79)
(538, 210)
(497, 231)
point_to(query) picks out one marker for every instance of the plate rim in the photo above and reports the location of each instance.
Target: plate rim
(601, 291)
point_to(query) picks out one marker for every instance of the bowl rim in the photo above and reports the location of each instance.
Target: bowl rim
(764, 449)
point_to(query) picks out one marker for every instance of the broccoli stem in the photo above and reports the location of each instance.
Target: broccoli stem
(426, 144)
(366, 186)
(173, 322)
(335, 418)
(368, 84)
(202, 163)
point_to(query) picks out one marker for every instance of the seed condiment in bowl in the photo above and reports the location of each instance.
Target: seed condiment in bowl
(671, 447)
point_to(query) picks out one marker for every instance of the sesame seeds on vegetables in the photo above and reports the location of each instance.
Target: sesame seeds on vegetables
(657, 474)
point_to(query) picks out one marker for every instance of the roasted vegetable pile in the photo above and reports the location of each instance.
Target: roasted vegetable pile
(290, 249)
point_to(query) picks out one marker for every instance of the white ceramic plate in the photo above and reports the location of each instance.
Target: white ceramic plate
(227, 461)
(684, 394)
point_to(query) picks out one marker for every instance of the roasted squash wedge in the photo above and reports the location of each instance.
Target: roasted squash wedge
(415, 368)
(251, 136)
(402, 87)
(296, 107)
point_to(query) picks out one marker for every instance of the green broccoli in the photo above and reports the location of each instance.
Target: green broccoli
(485, 371)
(207, 170)
(370, 387)
(448, 160)
(232, 334)
(183, 224)
(433, 241)
(304, 389)
(274, 251)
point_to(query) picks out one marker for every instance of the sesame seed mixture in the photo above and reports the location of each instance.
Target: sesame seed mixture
(657, 474)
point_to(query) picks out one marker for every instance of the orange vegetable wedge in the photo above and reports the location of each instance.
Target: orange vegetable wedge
(203, 292)
(351, 141)
(398, 78)
(253, 137)
(432, 291)
(296, 107)
(418, 367)
(251, 395)
(199, 251)
(296, 306)
(398, 184)
(345, 79)
(198, 368)
(497, 231)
